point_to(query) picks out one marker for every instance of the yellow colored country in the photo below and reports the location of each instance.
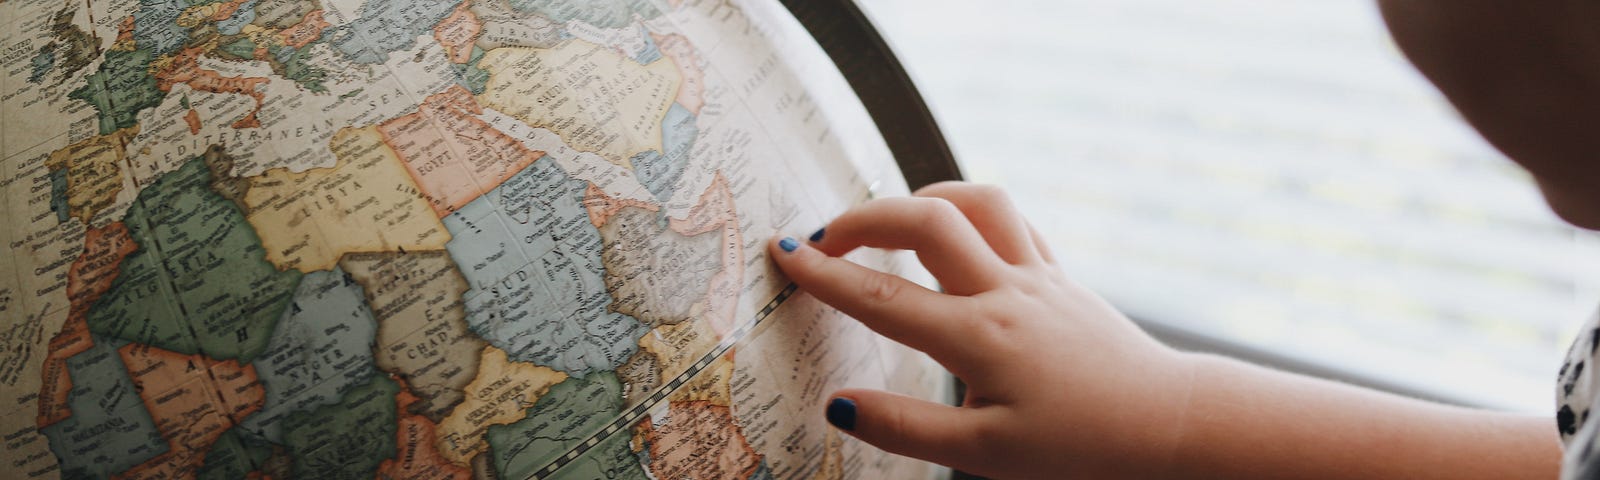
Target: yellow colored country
(501, 394)
(677, 347)
(93, 169)
(595, 98)
(366, 202)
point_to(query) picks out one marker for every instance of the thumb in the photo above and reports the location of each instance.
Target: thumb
(907, 426)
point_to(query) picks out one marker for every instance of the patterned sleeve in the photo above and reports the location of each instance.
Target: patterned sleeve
(1575, 398)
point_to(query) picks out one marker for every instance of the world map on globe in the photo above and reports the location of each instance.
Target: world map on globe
(423, 239)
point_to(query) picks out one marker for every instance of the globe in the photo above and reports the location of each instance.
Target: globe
(429, 239)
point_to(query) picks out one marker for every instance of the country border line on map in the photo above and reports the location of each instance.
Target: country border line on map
(660, 394)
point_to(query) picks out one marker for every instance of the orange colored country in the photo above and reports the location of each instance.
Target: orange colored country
(458, 31)
(601, 206)
(454, 156)
(193, 119)
(193, 400)
(716, 209)
(417, 457)
(185, 69)
(227, 10)
(699, 440)
(308, 30)
(89, 278)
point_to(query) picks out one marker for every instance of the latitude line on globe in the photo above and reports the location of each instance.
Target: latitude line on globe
(660, 394)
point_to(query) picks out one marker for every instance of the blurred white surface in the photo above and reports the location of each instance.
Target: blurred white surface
(1273, 173)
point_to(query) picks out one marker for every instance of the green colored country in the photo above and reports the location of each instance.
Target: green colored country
(471, 77)
(199, 282)
(609, 14)
(58, 195)
(121, 89)
(140, 305)
(240, 48)
(234, 455)
(109, 430)
(570, 413)
(611, 459)
(346, 440)
(295, 65)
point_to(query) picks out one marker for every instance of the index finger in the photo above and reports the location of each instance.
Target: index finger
(940, 325)
(945, 240)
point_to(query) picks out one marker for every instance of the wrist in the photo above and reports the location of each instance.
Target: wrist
(1186, 368)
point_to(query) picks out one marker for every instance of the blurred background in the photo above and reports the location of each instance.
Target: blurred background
(1270, 178)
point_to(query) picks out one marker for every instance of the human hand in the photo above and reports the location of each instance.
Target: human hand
(1058, 382)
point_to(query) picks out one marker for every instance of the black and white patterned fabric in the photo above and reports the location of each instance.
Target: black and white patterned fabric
(1575, 399)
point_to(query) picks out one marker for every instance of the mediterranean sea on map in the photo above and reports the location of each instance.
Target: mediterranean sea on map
(428, 239)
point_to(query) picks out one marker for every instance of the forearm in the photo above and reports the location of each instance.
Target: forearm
(1245, 421)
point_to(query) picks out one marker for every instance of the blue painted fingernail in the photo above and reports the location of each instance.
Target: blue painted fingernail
(842, 413)
(817, 237)
(788, 244)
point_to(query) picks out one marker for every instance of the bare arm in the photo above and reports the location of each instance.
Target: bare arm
(1249, 422)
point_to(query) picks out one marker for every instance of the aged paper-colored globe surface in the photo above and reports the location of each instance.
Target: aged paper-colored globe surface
(427, 239)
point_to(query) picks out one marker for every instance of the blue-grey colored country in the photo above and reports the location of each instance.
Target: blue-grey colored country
(650, 53)
(537, 282)
(155, 25)
(762, 472)
(109, 430)
(320, 349)
(600, 13)
(241, 17)
(659, 172)
(42, 63)
(386, 26)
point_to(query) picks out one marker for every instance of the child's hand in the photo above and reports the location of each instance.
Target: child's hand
(1059, 383)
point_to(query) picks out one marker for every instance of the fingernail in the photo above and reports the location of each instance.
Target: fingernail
(817, 237)
(842, 413)
(788, 244)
